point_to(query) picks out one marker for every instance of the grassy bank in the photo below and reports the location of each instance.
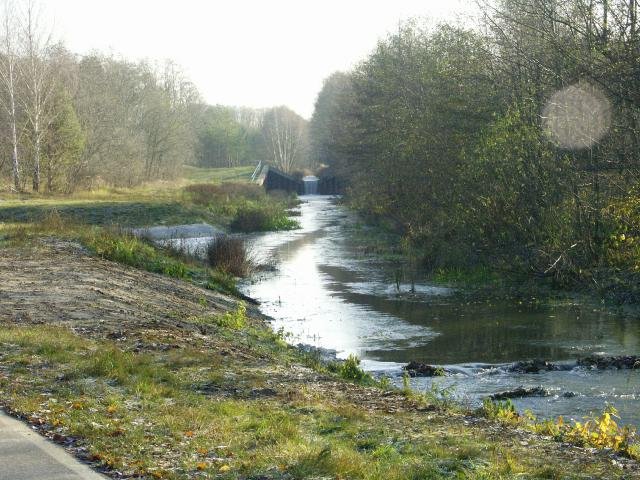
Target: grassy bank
(484, 282)
(209, 391)
(118, 246)
(216, 196)
(196, 411)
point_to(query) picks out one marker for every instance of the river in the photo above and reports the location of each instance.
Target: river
(325, 292)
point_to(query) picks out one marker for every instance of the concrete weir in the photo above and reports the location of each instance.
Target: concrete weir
(310, 185)
(273, 179)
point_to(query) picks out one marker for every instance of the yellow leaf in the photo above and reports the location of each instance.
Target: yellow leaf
(225, 468)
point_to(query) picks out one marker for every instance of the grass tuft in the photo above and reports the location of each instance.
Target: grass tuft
(229, 254)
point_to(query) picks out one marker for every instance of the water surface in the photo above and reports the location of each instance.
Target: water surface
(326, 293)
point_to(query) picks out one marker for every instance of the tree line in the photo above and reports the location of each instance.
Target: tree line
(228, 136)
(510, 143)
(72, 122)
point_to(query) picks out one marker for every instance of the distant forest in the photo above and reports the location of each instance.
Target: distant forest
(511, 144)
(71, 122)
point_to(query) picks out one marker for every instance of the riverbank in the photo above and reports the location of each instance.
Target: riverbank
(141, 374)
(328, 292)
(613, 289)
(222, 197)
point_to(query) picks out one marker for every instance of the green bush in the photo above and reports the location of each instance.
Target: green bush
(233, 320)
(261, 218)
(350, 370)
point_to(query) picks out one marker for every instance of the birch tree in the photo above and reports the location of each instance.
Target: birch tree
(286, 133)
(38, 82)
(8, 76)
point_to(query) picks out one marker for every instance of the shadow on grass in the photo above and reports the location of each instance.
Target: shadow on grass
(126, 214)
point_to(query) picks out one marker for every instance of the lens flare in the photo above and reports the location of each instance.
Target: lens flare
(577, 117)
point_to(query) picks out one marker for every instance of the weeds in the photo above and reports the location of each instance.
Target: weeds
(204, 410)
(119, 246)
(229, 254)
(245, 207)
(130, 250)
(501, 410)
(600, 431)
(165, 203)
(233, 320)
(350, 370)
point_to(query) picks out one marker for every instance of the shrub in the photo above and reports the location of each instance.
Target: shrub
(261, 218)
(350, 370)
(233, 320)
(250, 219)
(500, 410)
(229, 254)
(600, 432)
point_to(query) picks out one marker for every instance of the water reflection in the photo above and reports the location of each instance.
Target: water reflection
(325, 293)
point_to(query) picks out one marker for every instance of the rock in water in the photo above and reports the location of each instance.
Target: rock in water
(521, 392)
(603, 362)
(419, 369)
(533, 366)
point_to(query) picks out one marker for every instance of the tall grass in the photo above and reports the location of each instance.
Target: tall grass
(260, 218)
(117, 245)
(230, 254)
(130, 250)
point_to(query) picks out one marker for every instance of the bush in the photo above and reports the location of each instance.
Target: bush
(250, 219)
(261, 218)
(233, 320)
(229, 254)
(350, 370)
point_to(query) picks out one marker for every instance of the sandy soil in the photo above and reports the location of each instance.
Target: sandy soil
(60, 283)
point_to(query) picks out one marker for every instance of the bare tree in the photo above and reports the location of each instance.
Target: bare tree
(286, 133)
(38, 81)
(167, 98)
(8, 74)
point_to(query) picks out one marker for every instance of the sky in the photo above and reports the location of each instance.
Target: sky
(242, 52)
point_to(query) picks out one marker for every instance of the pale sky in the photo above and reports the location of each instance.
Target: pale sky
(255, 53)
